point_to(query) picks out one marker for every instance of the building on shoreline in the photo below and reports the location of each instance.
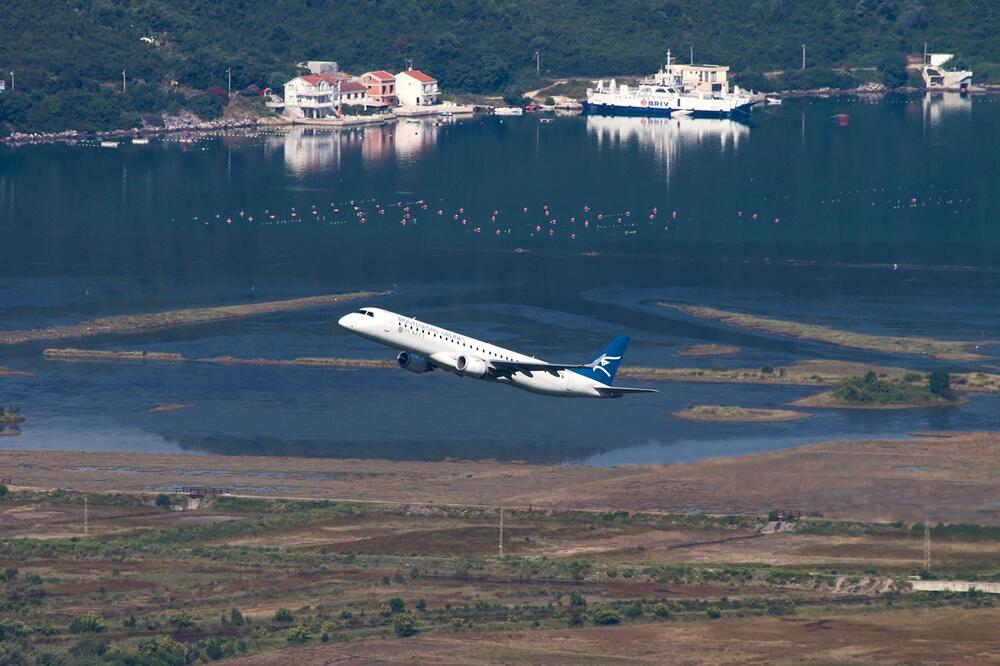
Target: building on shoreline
(414, 88)
(936, 76)
(381, 87)
(312, 96)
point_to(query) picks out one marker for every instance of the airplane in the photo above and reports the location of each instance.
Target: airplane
(427, 347)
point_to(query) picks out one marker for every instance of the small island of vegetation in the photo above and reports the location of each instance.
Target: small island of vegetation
(875, 391)
(735, 414)
(699, 351)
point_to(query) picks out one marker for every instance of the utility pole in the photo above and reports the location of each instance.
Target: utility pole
(691, 48)
(803, 56)
(501, 531)
(12, 81)
(229, 81)
(538, 64)
(86, 526)
(123, 81)
(927, 544)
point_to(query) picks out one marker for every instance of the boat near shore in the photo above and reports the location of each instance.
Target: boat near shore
(698, 90)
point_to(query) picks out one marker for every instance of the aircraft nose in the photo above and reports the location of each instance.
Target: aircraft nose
(346, 322)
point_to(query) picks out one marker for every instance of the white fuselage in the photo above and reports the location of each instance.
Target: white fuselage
(446, 350)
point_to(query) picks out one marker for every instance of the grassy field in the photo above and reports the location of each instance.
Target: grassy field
(952, 350)
(275, 581)
(172, 318)
(735, 414)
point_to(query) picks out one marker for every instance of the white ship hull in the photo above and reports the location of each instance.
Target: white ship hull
(660, 104)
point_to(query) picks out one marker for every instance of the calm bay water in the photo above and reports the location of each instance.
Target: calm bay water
(889, 224)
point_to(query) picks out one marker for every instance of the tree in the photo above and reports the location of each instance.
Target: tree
(633, 610)
(513, 96)
(163, 501)
(404, 624)
(939, 383)
(713, 612)
(892, 72)
(283, 615)
(236, 617)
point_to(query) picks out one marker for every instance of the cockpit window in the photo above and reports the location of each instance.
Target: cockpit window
(362, 311)
(370, 313)
(365, 312)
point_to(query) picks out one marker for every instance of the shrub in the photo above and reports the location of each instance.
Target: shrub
(404, 624)
(297, 634)
(575, 617)
(577, 600)
(181, 619)
(283, 615)
(606, 616)
(713, 612)
(236, 617)
(3, 490)
(633, 610)
(661, 611)
(421, 605)
(393, 606)
(767, 370)
(163, 501)
(88, 622)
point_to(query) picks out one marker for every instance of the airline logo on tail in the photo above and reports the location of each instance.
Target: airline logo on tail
(604, 360)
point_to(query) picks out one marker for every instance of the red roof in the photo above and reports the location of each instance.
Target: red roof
(314, 79)
(352, 87)
(381, 75)
(419, 76)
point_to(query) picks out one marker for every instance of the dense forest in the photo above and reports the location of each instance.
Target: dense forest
(68, 55)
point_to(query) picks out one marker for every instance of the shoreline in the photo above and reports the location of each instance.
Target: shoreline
(847, 479)
(801, 374)
(947, 350)
(736, 414)
(827, 401)
(17, 139)
(129, 323)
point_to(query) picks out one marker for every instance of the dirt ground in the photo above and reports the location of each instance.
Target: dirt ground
(933, 636)
(949, 478)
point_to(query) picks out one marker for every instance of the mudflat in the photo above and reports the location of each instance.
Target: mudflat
(949, 478)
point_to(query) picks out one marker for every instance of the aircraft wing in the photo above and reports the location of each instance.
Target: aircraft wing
(531, 366)
(621, 390)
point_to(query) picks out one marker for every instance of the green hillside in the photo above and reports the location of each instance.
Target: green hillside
(68, 55)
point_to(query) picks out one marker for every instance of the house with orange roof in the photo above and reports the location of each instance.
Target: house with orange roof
(414, 88)
(381, 87)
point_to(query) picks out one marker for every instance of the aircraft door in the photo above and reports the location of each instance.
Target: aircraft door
(387, 322)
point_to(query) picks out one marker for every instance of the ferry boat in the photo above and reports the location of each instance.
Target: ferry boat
(700, 90)
(508, 111)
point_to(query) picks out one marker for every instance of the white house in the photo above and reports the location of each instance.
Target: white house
(936, 76)
(312, 96)
(414, 88)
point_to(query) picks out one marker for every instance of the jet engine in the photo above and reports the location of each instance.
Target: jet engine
(470, 366)
(413, 363)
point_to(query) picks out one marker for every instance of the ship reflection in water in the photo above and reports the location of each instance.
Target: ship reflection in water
(311, 150)
(667, 137)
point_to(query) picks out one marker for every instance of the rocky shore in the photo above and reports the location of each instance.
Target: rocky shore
(183, 122)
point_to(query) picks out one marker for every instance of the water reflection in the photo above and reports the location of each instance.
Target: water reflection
(666, 137)
(414, 137)
(308, 150)
(939, 104)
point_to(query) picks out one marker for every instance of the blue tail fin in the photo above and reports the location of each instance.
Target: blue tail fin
(606, 363)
